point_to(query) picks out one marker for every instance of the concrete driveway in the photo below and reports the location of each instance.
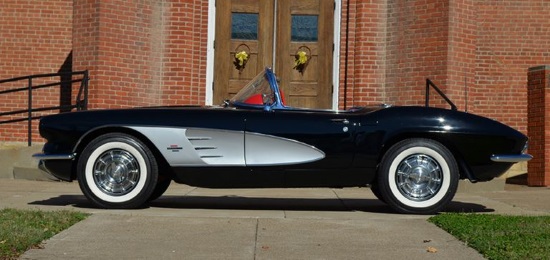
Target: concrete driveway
(195, 223)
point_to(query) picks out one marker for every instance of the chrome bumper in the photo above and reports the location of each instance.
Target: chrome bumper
(511, 158)
(43, 157)
(65, 173)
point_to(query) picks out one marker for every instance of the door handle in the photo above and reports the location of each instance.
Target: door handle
(343, 121)
(340, 120)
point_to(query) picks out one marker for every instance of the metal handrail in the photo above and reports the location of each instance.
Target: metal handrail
(430, 83)
(81, 102)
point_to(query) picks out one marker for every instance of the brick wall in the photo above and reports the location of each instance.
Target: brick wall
(417, 42)
(511, 37)
(363, 51)
(142, 53)
(184, 76)
(121, 43)
(461, 48)
(35, 38)
(477, 52)
(538, 122)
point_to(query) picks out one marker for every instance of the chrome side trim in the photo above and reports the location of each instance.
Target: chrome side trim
(41, 156)
(511, 158)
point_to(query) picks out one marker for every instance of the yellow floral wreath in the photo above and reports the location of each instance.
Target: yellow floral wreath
(301, 59)
(242, 57)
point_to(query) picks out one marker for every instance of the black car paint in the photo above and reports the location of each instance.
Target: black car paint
(351, 158)
(472, 139)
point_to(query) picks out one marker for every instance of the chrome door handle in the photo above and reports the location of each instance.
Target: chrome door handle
(340, 120)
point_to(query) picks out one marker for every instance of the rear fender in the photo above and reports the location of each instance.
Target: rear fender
(465, 171)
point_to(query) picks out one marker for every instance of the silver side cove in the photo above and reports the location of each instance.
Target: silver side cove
(199, 147)
(263, 150)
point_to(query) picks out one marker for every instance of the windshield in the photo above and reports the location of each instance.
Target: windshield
(256, 92)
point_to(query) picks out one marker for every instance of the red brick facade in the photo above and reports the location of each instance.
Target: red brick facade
(512, 36)
(141, 52)
(539, 122)
(153, 52)
(35, 38)
(478, 52)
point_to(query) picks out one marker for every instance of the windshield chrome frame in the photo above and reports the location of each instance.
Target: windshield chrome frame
(274, 86)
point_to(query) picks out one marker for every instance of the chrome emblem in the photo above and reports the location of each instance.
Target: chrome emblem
(174, 148)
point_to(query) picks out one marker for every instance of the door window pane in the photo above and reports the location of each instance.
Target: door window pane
(244, 26)
(304, 28)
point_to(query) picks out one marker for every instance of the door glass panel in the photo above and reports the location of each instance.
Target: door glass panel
(244, 26)
(304, 28)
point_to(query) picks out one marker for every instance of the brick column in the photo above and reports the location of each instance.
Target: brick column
(539, 125)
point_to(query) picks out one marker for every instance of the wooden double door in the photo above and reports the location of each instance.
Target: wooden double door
(295, 38)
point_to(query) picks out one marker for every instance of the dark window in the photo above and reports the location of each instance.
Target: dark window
(304, 28)
(244, 26)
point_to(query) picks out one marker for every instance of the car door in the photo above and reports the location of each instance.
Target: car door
(275, 136)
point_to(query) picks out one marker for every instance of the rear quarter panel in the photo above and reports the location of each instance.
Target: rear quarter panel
(471, 138)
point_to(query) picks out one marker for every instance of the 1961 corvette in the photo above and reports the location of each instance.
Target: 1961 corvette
(411, 157)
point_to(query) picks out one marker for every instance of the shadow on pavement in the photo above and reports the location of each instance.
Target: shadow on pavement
(463, 207)
(252, 203)
(79, 201)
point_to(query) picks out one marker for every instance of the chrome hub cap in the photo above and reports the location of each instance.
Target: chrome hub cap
(116, 172)
(419, 177)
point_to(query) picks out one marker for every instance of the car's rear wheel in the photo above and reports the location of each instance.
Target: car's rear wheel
(418, 176)
(117, 171)
(376, 191)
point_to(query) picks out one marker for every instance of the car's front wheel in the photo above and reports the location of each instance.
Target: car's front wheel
(117, 171)
(418, 176)
(163, 183)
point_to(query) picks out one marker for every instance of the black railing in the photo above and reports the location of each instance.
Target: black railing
(430, 83)
(66, 80)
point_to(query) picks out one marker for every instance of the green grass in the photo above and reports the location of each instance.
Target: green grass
(21, 230)
(500, 237)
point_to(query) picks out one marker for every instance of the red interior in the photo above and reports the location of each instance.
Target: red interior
(257, 99)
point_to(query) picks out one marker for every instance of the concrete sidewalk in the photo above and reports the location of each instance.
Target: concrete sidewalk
(195, 223)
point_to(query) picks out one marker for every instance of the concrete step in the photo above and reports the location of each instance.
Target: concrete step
(31, 173)
(16, 161)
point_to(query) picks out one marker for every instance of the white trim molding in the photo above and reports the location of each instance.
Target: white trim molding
(210, 52)
(336, 54)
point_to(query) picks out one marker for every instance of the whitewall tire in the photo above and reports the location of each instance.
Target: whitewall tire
(117, 171)
(418, 176)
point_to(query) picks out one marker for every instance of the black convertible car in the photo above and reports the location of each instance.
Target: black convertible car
(412, 157)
